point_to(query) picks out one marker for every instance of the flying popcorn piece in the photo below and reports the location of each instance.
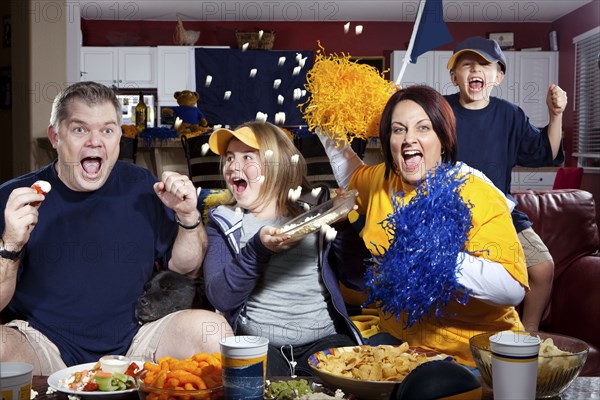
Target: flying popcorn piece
(204, 149)
(252, 72)
(297, 94)
(298, 57)
(315, 192)
(262, 117)
(269, 153)
(177, 124)
(301, 62)
(208, 80)
(227, 95)
(260, 34)
(238, 210)
(303, 92)
(198, 190)
(294, 159)
(280, 99)
(358, 29)
(294, 195)
(306, 206)
(330, 234)
(276, 83)
(347, 27)
(281, 61)
(296, 71)
(217, 126)
(260, 180)
(245, 46)
(280, 118)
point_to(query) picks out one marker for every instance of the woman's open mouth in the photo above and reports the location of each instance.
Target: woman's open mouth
(412, 160)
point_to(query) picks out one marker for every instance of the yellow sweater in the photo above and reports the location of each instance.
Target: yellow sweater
(492, 230)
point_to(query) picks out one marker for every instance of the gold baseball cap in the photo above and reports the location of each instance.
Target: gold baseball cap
(220, 138)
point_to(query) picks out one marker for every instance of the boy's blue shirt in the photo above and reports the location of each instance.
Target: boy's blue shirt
(499, 137)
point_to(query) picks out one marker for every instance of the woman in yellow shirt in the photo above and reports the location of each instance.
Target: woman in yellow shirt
(418, 139)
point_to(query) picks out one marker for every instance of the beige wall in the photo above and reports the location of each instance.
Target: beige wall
(45, 59)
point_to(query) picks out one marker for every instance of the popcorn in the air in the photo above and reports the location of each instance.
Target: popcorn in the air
(260, 34)
(217, 126)
(177, 124)
(281, 61)
(238, 210)
(227, 95)
(294, 195)
(261, 117)
(358, 29)
(208, 80)
(245, 46)
(204, 149)
(296, 71)
(346, 27)
(301, 62)
(280, 118)
(280, 99)
(298, 56)
(276, 83)
(294, 159)
(315, 192)
(297, 94)
(252, 72)
(261, 179)
(330, 233)
(269, 153)
(306, 206)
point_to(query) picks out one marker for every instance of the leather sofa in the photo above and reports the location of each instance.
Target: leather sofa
(566, 221)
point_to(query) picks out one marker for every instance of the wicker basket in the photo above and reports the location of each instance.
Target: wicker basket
(254, 43)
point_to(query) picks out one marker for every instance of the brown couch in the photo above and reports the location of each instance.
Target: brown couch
(566, 222)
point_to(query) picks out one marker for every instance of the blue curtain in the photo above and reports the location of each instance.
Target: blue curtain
(230, 71)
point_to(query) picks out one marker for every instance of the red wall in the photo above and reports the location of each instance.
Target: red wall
(377, 39)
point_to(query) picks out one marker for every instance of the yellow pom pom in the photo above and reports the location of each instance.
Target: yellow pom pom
(346, 98)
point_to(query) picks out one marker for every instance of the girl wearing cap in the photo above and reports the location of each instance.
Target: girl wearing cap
(265, 284)
(494, 136)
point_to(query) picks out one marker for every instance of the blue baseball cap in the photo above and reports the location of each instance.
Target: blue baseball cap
(486, 48)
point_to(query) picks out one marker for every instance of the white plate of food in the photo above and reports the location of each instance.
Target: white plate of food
(59, 382)
(323, 214)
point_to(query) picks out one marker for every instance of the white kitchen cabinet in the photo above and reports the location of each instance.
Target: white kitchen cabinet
(176, 72)
(533, 72)
(121, 67)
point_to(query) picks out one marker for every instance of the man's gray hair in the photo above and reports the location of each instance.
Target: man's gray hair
(90, 92)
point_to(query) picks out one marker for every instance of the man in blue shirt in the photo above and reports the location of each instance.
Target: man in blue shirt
(74, 261)
(494, 135)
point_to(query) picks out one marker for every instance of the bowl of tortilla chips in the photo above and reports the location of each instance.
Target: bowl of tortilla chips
(368, 372)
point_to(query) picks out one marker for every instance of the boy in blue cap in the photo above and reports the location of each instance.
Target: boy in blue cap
(494, 135)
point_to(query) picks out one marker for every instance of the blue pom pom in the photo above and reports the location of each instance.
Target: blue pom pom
(149, 135)
(417, 274)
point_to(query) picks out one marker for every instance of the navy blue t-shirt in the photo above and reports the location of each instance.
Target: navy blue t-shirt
(88, 258)
(497, 138)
